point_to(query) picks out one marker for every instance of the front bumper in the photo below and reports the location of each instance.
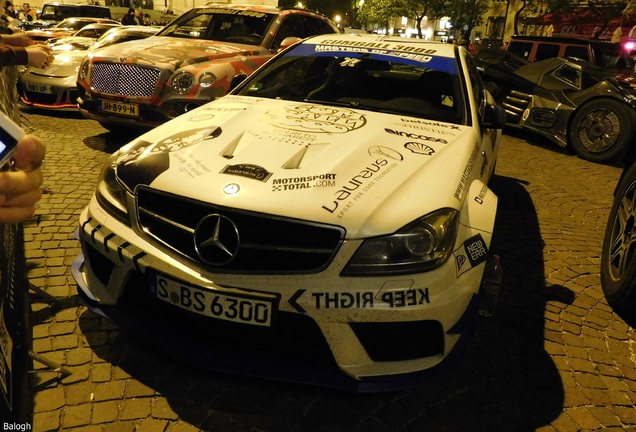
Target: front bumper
(327, 339)
(63, 94)
(150, 115)
(294, 352)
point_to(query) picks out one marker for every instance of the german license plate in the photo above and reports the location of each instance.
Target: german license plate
(237, 308)
(38, 88)
(123, 109)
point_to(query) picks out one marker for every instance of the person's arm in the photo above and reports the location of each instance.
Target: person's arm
(10, 55)
(16, 39)
(20, 187)
(39, 56)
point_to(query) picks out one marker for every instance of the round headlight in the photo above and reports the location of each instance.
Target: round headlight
(207, 79)
(182, 81)
(420, 241)
(83, 73)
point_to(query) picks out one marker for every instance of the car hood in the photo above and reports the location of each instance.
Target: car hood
(173, 53)
(369, 172)
(65, 64)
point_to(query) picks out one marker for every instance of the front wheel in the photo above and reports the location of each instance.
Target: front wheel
(618, 258)
(602, 130)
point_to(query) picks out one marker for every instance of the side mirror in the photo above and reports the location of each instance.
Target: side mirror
(494, 117)
(236, 80)
(288, 41)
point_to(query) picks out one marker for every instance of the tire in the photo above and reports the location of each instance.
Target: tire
(618, 258)
(602, 130)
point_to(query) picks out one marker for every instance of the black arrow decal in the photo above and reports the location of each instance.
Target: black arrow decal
(293, 301)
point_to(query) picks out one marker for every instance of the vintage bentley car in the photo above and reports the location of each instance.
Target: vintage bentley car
(188, 63)
(55, 87)
(570, 102)
(327, 222)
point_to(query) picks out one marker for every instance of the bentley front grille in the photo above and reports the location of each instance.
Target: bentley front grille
(235, 241)
(124, 79)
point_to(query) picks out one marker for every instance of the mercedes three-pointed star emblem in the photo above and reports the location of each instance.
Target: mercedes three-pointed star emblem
(216, 239)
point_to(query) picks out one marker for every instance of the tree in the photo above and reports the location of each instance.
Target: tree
(465, 15)
(381, 11)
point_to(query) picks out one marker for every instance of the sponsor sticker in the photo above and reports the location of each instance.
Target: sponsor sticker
(250, 171)
(360, 299)
(304, 182)
(419, 148)
(470, 254)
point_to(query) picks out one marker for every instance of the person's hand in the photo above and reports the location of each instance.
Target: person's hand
(20, 188)
(17, 39)
(40, 56)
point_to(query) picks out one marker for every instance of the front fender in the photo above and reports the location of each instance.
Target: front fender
(479, 209)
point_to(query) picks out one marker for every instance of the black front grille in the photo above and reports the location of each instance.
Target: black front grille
(124, 79)
(67, 97)
(398, 341)
(268, 244)
(43, 98)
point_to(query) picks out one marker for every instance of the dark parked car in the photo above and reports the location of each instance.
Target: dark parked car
(569, 101)
(53, 13)
(618, 260)
(611, 56)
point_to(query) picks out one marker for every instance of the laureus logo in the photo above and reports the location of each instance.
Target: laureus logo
(216, 239)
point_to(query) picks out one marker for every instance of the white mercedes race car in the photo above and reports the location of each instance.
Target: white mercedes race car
(327, 222)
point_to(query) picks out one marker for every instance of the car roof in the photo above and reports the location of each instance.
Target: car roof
(534, 71)
(102, 25)
(278, 10)
(134, 28)
(417, 46)
(262, 8)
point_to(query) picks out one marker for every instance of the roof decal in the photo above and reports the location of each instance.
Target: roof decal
(406, 54)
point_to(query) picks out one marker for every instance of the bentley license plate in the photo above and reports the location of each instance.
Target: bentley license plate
(239, 308)
(119, 108)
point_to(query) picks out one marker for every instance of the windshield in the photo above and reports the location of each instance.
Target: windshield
(612, 56)
(72, 44)
(377, 82)
(56, 12)
(219, 24)
(72, 24)
(123, 35)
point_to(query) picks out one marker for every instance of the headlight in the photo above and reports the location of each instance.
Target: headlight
(182, 81)
(207, 79)
(83, 72)
(110, 193)
(418, 247)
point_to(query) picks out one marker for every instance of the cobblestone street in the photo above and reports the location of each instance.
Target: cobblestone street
(554, 358)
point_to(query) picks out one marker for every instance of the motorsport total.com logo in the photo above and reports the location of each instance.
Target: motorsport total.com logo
(306, 182)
